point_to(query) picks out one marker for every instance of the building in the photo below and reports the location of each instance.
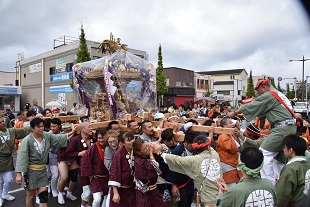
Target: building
(9, 93)
(180, 84)
(47, 76)
(202, 85)
(228, 85)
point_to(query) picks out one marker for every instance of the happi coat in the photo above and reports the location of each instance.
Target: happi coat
(254, 191)
(92, 164)
(203, 168)
(7, 142)
(121, 176)
(293, 182)
(147, 174)
(29, 154)
(267, 106)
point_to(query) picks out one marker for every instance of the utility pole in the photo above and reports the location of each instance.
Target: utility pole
(303, 76)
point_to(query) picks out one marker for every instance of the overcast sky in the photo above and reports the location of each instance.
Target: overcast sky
(200, 35)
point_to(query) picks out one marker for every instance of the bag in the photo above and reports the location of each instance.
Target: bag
(166, 196)
(26, 181)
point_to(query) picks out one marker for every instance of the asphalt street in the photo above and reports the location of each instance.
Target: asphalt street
(20, 196)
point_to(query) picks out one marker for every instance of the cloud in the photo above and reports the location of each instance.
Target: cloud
(199, 35)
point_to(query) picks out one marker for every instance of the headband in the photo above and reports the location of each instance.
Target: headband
(249, 171)
(202, 145)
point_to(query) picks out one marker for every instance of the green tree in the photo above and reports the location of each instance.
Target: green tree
(272, 83)
(279, 87)
(83, 53)
(250, 89)
(161, 86)
(208, 91)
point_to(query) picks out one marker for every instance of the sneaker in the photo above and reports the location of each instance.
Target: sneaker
(8, 197)
(37, 200)
(66, 188)
(70, 196)
(61, 198)
(1, 201)
(54, 193)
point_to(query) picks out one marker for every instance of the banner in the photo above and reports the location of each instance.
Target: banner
(61, 65)
(35, 68)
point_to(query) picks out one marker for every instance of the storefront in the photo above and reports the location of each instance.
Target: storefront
(10, 97)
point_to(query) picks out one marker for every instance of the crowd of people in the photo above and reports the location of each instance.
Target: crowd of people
(264, 162)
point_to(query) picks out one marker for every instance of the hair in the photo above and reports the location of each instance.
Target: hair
(62, 114)
(252, 157)
(181, 105)
(36, 122)
(143, 123)
(199, 140)
(224, 121)
(190, 136)
(56, 121)
(47, 123)
(129, 123)
(101, 131)
(137, 144)
(295, 142)
(83, 117)
(111, 133)
(208, 122)
(127, 135)
(45, 110)
(69, 113)
(19, 113)
(167, 135)
(215, 115)
(193, 121)
(111, 123)
(31, 113)
(74, 104)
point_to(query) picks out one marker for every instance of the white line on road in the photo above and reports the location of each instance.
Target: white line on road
(16, 190)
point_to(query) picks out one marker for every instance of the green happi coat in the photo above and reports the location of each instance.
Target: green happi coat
(294, 176)
(254, 191)
(29, 155)
(197, 168)
(267, 106)
(7, 142)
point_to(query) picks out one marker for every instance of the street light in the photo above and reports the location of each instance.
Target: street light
(307, 88)
(303, 74)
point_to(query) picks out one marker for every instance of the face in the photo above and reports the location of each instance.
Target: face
(174, 120)
(48, 113)
(55, 128)
(100, 139)
(181, 108)
(128, 143)
(145, 150)
(87, 129)
(38, 130)
(148, 129)
(2, 125)
(116, 127)
(134, 127)
(113, 142)
(30, 118)
(229, 124)
(35, 102)
(188, 146)
(287, 152)
(305, 123)
(1, 112)
(262, 89)
(169, 144)
(39, 115)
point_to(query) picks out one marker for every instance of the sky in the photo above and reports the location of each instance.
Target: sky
(199, 35)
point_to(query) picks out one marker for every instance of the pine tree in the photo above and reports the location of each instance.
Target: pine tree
(288, 91)
(83, 53)
(279, 87)
(272, 83)
(250, 89)
(161, 86)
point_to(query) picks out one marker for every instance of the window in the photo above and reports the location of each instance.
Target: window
(185, 84)
(69, 67)
(167, 81)
(52, 70)
(178, 83)
(223, 92)
(232, 77)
